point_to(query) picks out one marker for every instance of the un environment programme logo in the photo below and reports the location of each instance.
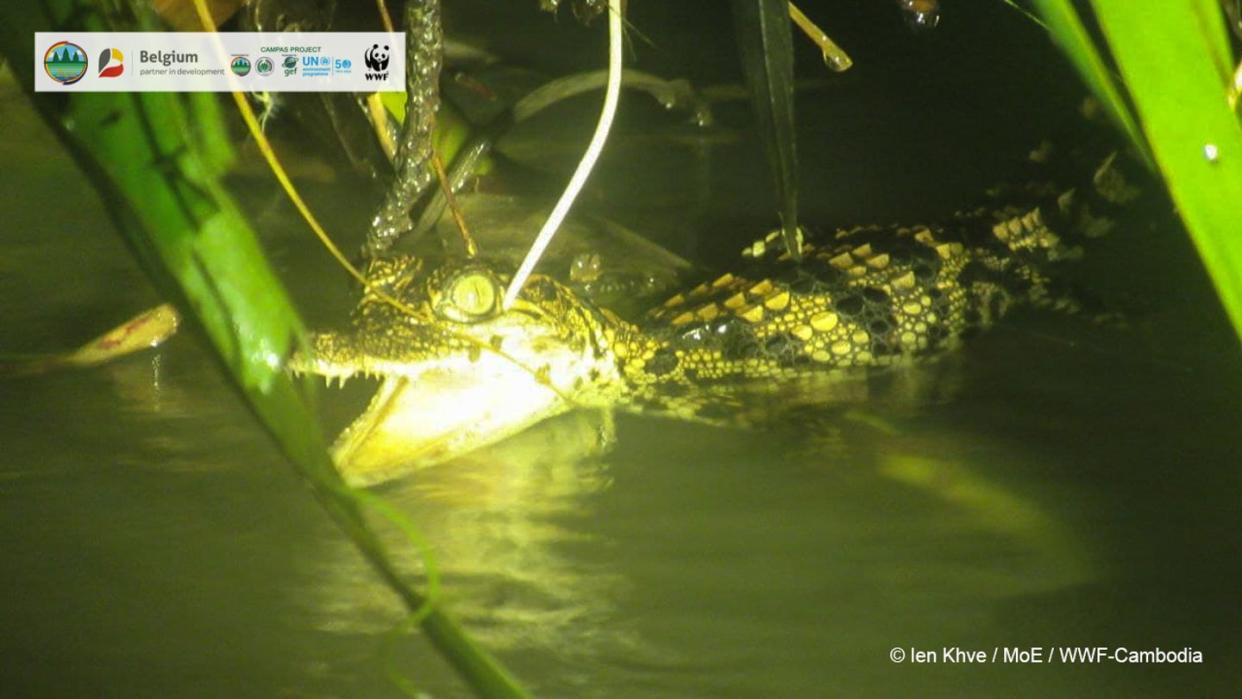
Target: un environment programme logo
(376, 60)
(240, 65)
(111, 63)
(264, 66)
(65, 62)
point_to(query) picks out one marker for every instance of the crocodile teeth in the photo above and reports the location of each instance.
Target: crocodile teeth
(338, 379)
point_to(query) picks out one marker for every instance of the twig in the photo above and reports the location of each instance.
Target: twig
(379, 122)
(375, 106)
(834, 56)
(472, 248)
(385, 18)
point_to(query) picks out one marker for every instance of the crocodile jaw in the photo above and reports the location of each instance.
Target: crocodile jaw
(413, 423)
(431, 410)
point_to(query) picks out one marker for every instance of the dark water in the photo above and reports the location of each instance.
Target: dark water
(1077, 486)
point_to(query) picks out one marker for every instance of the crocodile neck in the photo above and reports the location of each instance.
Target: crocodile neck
(864, 298)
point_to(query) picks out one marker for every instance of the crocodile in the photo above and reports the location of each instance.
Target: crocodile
(458, 371)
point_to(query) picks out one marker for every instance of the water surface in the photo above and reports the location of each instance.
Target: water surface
(1065, 483)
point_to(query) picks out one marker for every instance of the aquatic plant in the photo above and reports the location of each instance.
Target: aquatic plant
(1177, 68)
(765, 45)
(200, 251)
(1174, 93)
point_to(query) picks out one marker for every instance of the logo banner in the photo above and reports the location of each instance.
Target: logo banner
(219, 62)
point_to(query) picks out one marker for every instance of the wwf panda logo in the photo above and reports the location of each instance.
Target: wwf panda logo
(376, 58)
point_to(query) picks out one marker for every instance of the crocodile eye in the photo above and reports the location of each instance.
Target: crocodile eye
(469, 297)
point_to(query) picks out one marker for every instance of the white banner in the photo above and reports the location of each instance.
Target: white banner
(219, 62)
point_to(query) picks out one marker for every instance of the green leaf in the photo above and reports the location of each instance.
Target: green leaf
(1213, 32)
(1170, 56)
(156, 159)
(1067, 30)
(765, 43)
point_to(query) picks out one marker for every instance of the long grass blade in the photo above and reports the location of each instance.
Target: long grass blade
(1213, 32)
(1067, 29)
(155, 157)
(612, 94)
(765, 43)
(1175, 79)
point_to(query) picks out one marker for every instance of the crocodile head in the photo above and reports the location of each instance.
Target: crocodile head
(456, 371)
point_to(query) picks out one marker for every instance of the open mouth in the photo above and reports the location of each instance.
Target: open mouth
(428, 412)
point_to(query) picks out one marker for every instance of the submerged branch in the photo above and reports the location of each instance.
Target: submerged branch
(424, 41)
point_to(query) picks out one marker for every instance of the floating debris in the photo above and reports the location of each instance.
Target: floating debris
(145, 330)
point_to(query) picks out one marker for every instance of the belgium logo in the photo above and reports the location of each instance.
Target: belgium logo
(65, 62)
(111, 63)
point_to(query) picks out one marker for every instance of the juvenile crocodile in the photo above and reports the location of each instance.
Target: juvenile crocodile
(460, 372)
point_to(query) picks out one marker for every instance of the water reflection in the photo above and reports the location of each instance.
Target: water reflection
(504, 523)
(656, 561)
